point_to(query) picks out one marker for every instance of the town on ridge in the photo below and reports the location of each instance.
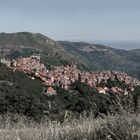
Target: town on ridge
(64, 76)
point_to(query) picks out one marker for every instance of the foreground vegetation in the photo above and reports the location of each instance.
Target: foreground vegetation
(18, 97)
(117, 127)
(67, 115)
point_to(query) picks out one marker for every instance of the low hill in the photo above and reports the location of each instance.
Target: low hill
(23, 44)
(100, 57)
(136, 51)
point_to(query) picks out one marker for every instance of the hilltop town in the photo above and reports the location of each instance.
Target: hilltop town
(64, 76)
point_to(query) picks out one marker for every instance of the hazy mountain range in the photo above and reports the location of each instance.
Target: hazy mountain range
(118, 44)
(86, 55)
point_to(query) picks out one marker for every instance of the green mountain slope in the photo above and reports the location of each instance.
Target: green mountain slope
(99, 57)
(25, 44)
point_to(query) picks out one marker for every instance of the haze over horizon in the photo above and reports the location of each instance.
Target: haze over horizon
(74, 20)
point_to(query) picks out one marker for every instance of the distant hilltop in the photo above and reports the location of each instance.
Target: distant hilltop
(87, 56)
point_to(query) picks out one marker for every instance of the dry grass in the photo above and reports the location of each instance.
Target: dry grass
(118, 127)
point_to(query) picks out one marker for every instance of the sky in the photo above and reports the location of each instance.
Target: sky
(81, 20)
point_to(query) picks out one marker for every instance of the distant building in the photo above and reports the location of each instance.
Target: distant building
(6, 62)
(50, 91)
(37, 57)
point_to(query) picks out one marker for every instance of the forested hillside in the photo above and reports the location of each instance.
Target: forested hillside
(100, 57)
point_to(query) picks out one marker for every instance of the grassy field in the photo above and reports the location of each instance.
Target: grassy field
(118, 127)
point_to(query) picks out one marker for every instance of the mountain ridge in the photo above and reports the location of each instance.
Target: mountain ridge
(103, 57)
(88, 56)
(25, 43)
